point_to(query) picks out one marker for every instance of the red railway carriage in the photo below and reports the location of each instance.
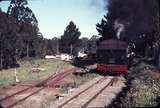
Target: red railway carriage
(112, 56)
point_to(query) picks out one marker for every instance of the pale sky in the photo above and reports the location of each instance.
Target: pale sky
(54, 15)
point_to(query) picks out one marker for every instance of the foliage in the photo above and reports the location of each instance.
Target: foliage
(132, 21)
(51, 46)
(144, 89)
(69, 41)
(19, 34)
(92, 44)
(83, 44)
(8, 40)
(157, 28)
(24, 14)
(106, 29)
(28, 27)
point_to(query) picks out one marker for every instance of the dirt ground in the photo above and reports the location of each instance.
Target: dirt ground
(49, 94)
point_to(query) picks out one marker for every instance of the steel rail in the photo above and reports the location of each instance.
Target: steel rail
(101, 80)
(41, 83)
(90, 100)
(15, 103)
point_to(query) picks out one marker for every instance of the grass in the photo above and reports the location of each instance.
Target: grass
(25, 73)
(141, 95)
(48, 103)
(144, 89)
(79, 79)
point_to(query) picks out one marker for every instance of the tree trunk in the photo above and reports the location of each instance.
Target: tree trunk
(27, 50)
(158, 63)
(71, 48)
(57, 48)
(1, 59)
(157, 58)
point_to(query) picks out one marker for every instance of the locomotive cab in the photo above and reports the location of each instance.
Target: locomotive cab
(111, 56)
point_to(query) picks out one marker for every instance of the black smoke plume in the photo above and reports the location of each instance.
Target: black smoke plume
(135, 16)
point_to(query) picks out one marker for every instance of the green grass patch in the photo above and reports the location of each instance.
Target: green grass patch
(144, 90)
(48, 103)
(25, 72)
(78, 79)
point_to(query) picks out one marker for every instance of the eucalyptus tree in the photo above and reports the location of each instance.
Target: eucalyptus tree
(28, 27)
(8, 40)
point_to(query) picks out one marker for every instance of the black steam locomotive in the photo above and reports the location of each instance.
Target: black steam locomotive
(112, 55)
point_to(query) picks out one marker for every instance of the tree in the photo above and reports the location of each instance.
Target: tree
(55, 45)
(19, 34)
(131, 13)
(157, 28)
(106, 29)
(156, 20)
(83, 44)
(92, 44)
(50, 46)
(28, 28)
(8, 40)
(131, 20)
(21, 12)
(70, 39)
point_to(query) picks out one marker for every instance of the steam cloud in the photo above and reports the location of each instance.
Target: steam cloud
(119, 27)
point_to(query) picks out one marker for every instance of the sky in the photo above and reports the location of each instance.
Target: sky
(54, 15)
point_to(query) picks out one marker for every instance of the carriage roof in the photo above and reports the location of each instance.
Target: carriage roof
(112, 44)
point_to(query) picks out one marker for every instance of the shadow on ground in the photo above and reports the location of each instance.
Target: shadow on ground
(117, 102)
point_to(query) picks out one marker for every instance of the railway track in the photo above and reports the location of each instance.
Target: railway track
(9, 101)
(84, 97)
(98, 93)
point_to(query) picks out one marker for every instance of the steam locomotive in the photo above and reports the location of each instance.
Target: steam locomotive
(112, 56)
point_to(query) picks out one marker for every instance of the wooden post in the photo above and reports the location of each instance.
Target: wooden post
(16, 77)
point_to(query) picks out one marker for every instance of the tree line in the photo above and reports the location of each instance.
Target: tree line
(20, 36)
